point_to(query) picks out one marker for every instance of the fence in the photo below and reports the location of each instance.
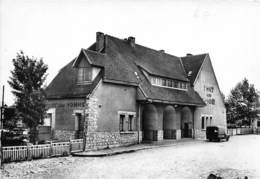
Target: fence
(21, 153)
(240, 131)
(77, 145)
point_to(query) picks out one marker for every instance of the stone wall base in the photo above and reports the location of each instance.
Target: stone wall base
(200, 134)
(178, 134)
(153, 135)
(140, 137)
(160, 135)
(169, 133)
(101, 140)
(63, 135)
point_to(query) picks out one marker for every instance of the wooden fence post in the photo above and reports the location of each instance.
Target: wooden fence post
(70, 149)
(50, 149)
(29, 152)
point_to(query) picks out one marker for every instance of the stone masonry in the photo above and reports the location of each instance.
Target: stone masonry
(64, 135)
(199, 134)
(100, 140)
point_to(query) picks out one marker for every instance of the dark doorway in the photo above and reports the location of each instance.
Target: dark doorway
(186, 122)
(79, 126)
(186, 130)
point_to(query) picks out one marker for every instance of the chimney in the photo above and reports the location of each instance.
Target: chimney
(131, 41)
(162, 51)
(100, 41)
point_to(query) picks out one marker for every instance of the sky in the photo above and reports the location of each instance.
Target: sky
(56, 30)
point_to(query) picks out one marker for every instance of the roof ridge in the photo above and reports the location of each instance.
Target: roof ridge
(158, 51)
(195, 55)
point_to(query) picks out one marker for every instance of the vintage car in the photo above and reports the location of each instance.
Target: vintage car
(14, 137)
(216, 133)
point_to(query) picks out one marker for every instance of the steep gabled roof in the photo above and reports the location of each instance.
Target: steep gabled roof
(122, 63)
(155, 62)
(64, 85)
(120, 58)
(192, 65)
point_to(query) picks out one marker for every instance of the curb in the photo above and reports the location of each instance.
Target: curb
(104, 154)
(111, 152)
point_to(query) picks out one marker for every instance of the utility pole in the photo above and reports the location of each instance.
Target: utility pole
(1, 126)
(2, 107)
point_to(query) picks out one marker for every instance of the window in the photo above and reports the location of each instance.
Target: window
(206, 120)
(121, 122)
(159, 81)
(126, 121)
(169, 83)
(84, 75)
(47, 119)
(78, 120)
(175, 84)
(202, 122)
(163, 82)
(153, 80)
(178, 84)
(130, 122)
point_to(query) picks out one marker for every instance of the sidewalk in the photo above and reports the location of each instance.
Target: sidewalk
(133, 148)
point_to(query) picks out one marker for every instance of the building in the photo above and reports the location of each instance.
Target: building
(130, 93)
(256, 122)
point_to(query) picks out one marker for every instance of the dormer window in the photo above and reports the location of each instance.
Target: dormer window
(168, 83)
(84, 75)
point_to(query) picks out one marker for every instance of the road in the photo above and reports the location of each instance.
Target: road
(197, 159)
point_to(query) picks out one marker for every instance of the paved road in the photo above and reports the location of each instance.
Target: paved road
(237, 158)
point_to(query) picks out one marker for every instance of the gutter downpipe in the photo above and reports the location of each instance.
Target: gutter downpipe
(193, 121)
(138, 124)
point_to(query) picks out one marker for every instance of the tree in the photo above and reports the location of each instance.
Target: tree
(10, 119)
(241, 104)
(27, 79)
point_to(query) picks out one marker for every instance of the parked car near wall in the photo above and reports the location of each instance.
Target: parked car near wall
(216, 133)
(14, 137)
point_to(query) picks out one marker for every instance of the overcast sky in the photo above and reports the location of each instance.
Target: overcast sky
(56, 30)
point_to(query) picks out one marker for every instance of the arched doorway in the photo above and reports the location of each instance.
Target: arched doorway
(186, 122)
(169, 131)
(150, 122)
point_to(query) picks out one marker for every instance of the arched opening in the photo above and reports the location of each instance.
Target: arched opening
(150, 122)
(186, 122)
(169, 130)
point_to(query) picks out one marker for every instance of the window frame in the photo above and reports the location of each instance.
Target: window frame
(130, 122)
(210, 119)
(84, 75)
(168, 83)
(207, 121)
(203, 122)
(121, 122)
(122, 127)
